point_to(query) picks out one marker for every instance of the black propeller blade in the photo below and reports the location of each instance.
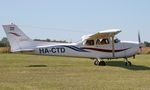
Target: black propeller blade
(140, 43)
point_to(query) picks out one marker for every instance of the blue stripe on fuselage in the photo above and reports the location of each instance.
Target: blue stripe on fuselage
(73, 48)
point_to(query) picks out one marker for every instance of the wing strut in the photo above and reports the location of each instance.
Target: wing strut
(113, 47)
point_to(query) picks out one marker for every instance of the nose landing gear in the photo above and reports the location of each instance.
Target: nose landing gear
(127, 63)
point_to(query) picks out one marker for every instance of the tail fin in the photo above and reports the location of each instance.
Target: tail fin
(17, 39)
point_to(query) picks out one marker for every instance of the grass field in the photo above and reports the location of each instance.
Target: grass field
(34, 72)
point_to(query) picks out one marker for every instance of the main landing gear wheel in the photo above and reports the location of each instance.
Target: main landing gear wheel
(96, 62)
(102, 63)
(99, 63)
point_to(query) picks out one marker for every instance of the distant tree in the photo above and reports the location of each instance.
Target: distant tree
(48, 40)
(4, 39)
(37, 40)
(147, 44)
(4, 42)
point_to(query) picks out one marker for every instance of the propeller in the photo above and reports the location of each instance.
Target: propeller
(139, 37)
(140, 43)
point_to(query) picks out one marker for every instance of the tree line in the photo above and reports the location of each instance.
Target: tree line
(49, 40)
(4, 41)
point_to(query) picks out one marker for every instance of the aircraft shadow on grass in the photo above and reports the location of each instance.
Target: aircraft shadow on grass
(122, 65)
(37, 66)
(113, 64)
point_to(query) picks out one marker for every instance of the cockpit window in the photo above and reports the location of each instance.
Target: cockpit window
(89, 42)
(102, 41)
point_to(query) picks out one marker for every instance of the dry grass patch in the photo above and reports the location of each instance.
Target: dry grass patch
(4, 49)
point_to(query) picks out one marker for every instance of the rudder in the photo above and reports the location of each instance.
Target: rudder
(17, 39)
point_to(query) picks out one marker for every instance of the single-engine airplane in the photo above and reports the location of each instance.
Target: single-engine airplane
(98, 46)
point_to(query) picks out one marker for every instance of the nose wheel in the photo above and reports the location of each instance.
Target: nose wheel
(127, 63)
(99, 62)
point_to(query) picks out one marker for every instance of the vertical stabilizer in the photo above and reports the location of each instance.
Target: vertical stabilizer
(17, 39)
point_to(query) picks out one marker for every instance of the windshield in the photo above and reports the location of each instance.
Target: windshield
(116, 40)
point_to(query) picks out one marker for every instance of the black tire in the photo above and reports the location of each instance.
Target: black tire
(128, 63)
(96, 62)
(102, 63)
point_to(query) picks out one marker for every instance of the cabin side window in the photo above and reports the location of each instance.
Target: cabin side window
(89, 42)
(102, 41)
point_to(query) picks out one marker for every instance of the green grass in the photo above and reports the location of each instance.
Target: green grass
(35, 72)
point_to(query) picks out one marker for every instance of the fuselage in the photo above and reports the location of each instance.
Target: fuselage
(122, 49)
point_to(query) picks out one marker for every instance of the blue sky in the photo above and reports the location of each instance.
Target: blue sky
(71, 19)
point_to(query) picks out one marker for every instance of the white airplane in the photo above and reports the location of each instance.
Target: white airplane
(98, 46)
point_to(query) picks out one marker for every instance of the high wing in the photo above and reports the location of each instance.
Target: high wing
(102, 34)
